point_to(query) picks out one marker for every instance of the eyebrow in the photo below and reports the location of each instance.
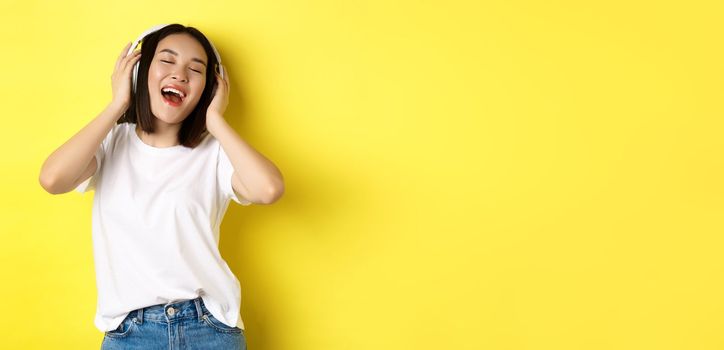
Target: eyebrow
(176, 54)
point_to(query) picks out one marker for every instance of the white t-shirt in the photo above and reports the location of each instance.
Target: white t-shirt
(156, 218)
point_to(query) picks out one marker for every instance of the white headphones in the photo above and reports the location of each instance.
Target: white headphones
(151, 30)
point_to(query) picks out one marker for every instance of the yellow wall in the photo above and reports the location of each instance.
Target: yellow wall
(459, 175)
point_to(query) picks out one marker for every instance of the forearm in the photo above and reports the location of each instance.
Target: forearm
(258, 174)
(67, 162)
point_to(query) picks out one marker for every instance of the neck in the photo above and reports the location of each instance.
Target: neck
(164, 135)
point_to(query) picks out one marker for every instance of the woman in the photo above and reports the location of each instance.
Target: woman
(164, 165)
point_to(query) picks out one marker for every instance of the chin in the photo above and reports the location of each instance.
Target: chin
(168, 114)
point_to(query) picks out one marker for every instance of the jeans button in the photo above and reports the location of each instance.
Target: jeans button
(171, 311)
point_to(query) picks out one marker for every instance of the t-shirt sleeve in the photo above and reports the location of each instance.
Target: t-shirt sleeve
(224, 172)
(90, 183)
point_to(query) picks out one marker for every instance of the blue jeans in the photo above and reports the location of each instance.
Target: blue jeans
(185, 324)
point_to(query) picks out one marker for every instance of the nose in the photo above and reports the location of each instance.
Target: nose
(180, 76)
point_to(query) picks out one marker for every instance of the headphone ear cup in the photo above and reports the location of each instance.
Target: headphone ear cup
(135, 76)
(214, 87)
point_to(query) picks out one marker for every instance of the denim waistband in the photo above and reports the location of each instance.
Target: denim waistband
(167, 313)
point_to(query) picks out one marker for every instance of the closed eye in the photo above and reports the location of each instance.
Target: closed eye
(164, 61)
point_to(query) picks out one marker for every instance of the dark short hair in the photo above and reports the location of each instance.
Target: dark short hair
(193, 128)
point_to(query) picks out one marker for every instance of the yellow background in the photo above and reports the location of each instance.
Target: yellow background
(459, 175)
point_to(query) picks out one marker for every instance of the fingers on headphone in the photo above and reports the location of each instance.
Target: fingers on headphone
(122, 55)
(222, 73)
(124, 52)
(132, 59)
(123, 61)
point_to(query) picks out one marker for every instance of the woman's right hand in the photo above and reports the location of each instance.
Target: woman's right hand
(121, 78)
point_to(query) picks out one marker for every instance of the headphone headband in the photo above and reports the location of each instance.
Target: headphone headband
(154, 29)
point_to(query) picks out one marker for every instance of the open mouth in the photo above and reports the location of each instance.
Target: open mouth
(172, 96)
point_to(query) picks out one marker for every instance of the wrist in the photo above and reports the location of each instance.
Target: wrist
(213, 114)
(117, 109)
(213, 121)
(118, 106)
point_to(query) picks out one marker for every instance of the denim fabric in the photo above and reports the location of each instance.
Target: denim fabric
(180, 325)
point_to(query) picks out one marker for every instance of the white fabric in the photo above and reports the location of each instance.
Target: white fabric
(155, 227)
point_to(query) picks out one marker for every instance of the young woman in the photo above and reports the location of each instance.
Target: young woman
(164, 165)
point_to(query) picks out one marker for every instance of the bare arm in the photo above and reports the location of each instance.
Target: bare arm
(260, 181)
(73, 162)
(70, 164)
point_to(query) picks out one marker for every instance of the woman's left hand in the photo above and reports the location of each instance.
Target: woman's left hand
(218, 104)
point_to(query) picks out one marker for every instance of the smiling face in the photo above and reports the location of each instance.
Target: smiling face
(176, 77)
